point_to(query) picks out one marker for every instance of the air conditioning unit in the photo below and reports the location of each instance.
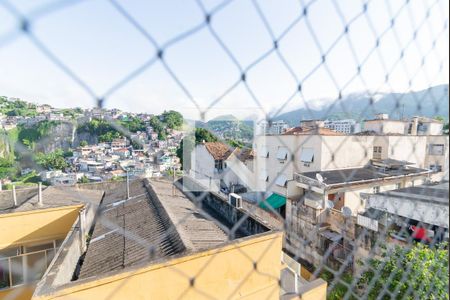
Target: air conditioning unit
(235, 200)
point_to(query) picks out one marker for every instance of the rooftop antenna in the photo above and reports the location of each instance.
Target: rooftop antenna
(319, 177)
(128, 185)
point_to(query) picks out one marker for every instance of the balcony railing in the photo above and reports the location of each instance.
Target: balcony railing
(24, 268)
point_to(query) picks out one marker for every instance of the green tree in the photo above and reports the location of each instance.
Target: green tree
(202, 134)
(234, 143)
(7, 168)
(83, 179)
(173, 119)
(420, 272)
(54, 160)
(83, 143)
(133, 124)
(186, 146)
(156, 124)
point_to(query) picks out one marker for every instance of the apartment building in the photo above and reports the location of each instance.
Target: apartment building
(322, 207)
(300, 150)
(414, 126)
(274, 127)
(347, 126)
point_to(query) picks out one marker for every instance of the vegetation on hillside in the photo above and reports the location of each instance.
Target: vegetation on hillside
(16, 107)
(28, 136)
(54, 160)
(100, 128)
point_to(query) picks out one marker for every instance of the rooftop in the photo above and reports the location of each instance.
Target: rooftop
(429, 193)
(218, 150)
(157, 222)
(53, 196)
(127, 232)
(426, 203)
(312, 131)
(361, 175)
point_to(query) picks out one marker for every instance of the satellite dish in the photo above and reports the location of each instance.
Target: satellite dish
(347, 212)
(329, 204)
(319, 177)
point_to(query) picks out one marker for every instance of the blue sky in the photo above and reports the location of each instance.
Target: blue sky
(101, 47)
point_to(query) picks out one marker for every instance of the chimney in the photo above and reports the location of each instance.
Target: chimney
(14, 195)
(415, 123)
(381, 116)
(40, 201)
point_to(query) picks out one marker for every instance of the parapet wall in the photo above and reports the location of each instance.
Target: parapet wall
(64, 266)
(22, 195)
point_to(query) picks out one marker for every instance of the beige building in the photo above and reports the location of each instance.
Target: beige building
(322, 207)
(381, 124)
(278, 158)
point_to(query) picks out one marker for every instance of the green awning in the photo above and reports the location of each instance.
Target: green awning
(274, 200)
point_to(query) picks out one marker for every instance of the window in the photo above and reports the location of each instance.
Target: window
(218, 164)
(281, 180)
(436, 149)
(264, 176)
(282, 153)
(376, 189)
(398, 186)
(377, 152)
(307, 155)
(264, 152)
(436, 168)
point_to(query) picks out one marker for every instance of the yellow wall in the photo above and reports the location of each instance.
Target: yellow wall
(36, 225)
(23, 292)
(227, 272)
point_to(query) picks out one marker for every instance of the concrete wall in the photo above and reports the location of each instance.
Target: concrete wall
(22, 195)
(222, 273)
(409, 148)
(340, 152)
(63, 267)
(442, 160)
(385, 126)
(203, 167)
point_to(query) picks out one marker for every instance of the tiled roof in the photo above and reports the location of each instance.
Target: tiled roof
(155, 223)
(218, 150)
(245, 154)
(127, 233)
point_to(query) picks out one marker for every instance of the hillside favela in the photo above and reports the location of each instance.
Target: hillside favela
(206, 149)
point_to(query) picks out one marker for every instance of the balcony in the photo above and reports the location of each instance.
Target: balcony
(24, 268)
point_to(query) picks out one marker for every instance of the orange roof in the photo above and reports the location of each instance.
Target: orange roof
(218, 150)
(245, 154)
